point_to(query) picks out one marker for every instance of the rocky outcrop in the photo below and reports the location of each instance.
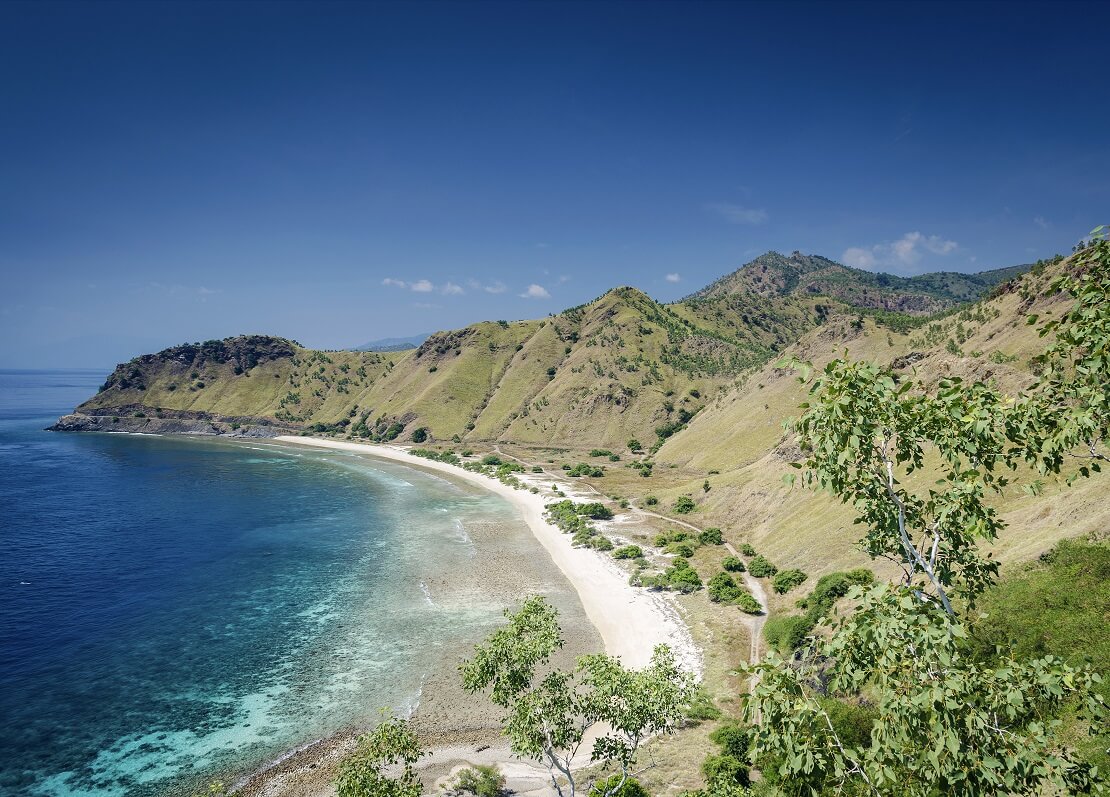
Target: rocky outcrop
(243, 353)
(146, 420)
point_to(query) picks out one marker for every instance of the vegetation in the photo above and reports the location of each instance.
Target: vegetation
(684, 505)
(680, 577)
(941, 717)
(786, 580)
(389, 746)
(479, 781)
(547, 718)
(733, 564)
(711, 536)
(760, 567)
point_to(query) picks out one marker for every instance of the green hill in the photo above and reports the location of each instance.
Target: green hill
(622, 366)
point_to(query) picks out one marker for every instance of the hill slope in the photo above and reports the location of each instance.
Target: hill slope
(622, 366)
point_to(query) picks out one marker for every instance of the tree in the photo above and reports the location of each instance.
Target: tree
(547, 722)
(684, 504)
(390, 744)
(944, 723)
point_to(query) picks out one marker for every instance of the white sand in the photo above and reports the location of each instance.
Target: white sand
(631, 621)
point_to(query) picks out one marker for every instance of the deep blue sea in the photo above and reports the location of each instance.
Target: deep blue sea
(175, 609)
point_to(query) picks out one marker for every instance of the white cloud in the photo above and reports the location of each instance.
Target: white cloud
(535, 291)
(737, 214)
(858, 258)
(1040, 222)
(394, 283)
(900, 255)
(497, 286)
(422, 286)
(451, 289)
(672, 278)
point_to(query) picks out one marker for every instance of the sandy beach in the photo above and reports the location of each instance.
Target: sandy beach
(631, 621)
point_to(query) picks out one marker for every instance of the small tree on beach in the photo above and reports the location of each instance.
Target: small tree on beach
(546, 721)
(390, 744)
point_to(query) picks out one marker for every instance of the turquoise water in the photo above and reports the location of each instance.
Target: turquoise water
(180, 608)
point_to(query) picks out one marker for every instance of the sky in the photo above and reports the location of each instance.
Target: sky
(339, 173)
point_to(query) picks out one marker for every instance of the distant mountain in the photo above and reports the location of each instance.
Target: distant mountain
(394, 344)
(774, 274)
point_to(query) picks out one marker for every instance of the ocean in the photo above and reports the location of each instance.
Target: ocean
(181, 609)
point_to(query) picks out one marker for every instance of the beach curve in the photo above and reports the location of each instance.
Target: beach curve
(630, 621)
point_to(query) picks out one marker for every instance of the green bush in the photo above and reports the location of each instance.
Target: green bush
(491, 459)
(733, 565)
(585, 469)
(701, 706)
(711, 536)
(722, 589)
(419, 434)
(683, 549)
(674, 535)
(480, 781)
(681, 577)
(651, 500)
(749, 604)
(787, 633)
(630, 788)
(628, 552)
(684, 505)
(599, 542)
(786, 580)
(760, 567)
(634, 445)
(600, 452)
(726, 768)
(747, 550)
(596, 510)
(733, 740)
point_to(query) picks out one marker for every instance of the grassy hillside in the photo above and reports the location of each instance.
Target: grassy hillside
(618, 368)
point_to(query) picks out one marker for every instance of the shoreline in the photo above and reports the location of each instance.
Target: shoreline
(631, 621)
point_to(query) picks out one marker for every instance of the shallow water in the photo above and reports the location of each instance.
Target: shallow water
(177, 608)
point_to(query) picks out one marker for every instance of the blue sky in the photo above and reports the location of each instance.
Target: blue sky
(340, 173)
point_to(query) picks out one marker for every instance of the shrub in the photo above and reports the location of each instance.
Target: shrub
(597, 511)
(749, 604)
(630, 788)
(674, 535)
(491, 459)
(680, 576)
(747, 550)
(585, 469)
(537, 469)
(711, 536)
(684, 505)
(787, 580)
(651, 500)
(726, 769)
(614, 457)
(600, 452)
(732, 739)
(599, 542)
(733, 565)
(787, 634)
(701, 706)
(760, 567)
(480, 781)
(722, 589)
(628, 552)
(419, 434)
(683, 549)
(634, 445)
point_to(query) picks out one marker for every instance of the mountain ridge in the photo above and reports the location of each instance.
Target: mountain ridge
(618, 367)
